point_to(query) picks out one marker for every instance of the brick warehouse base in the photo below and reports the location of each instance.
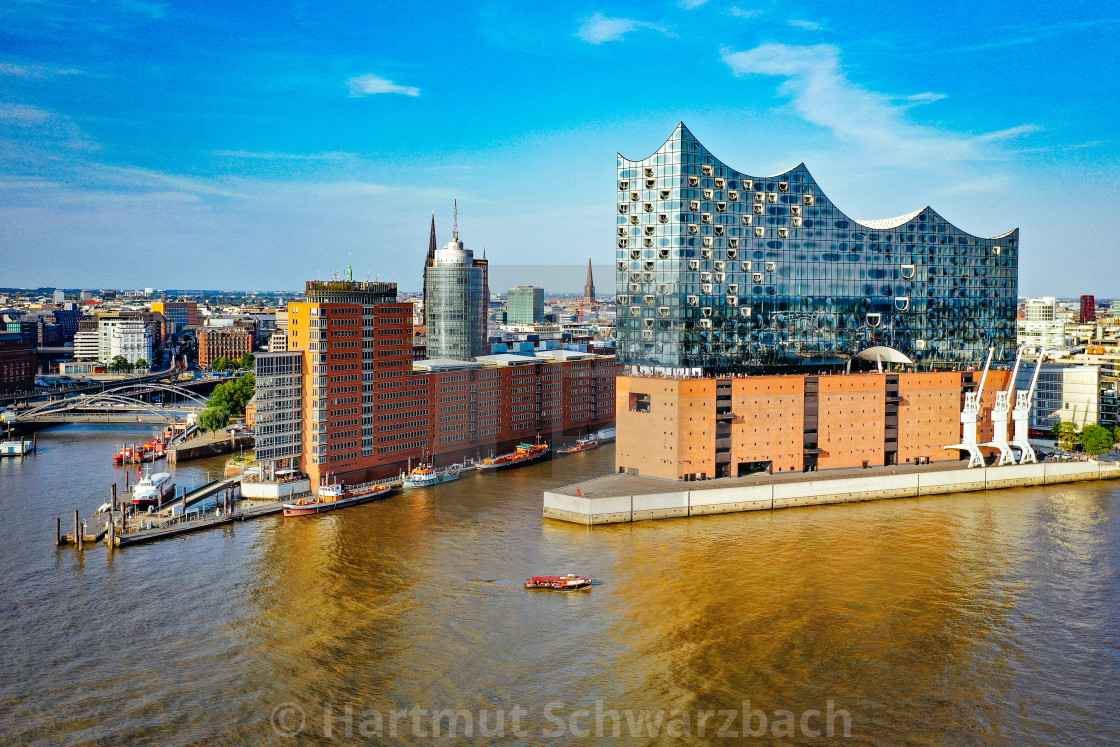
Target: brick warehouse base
(617, 499)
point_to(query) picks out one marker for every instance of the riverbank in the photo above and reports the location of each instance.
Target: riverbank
(622, 498)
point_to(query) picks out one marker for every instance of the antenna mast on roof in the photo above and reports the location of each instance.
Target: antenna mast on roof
(455, 226)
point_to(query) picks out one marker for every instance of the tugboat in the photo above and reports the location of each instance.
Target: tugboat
(152, 490)
(334, 496)
(425, 474)
(583, 444)
(571, 582)
(524, 454)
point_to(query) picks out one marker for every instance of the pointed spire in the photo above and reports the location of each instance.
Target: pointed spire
(589, 287)
(432, 240)
(349, 268)
(455, 229)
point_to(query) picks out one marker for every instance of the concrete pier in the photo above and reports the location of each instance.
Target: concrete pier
(614, 499)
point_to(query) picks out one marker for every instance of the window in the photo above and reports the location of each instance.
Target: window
(639, 402)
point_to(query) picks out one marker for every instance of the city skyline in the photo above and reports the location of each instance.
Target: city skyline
(146, 145)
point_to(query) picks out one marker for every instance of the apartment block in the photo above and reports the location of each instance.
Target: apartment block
(222, 342)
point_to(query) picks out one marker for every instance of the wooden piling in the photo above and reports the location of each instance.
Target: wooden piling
(57, 531)
(126, 476)
(76, 529)
(110, 537)
(35, 443)
(82, 536)
(113, 500)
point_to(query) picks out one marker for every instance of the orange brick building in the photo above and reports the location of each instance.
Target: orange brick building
(691, 428)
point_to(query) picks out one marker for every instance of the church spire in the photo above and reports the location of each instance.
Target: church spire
(432, 240)
(589, 287)
(349, 269)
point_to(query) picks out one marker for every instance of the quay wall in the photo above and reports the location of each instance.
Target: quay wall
(817, 491)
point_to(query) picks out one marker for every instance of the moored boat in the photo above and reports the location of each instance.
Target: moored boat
(152, 490)
(333, 497)
(570, 582)
(523, 454)
(425, 474)
(583, 444)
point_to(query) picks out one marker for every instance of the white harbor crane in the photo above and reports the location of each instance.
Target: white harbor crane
(1022, 416)
(1000, 410)
(969, 415)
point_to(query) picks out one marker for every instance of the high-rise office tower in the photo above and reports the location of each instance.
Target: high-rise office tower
(718, 271)
(1088, 312)
(343, 328)
(525, 305)
(456, 300)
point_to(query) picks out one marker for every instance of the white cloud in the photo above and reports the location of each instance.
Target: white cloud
(34, 71)
(738, 12)
(808, 25)
(598, 28)
(691, 4)
(873, 122)
(925, 98)
(271, 156)
(24, 127)
(368, 85)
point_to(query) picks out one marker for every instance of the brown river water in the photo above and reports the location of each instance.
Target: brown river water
(968, 619)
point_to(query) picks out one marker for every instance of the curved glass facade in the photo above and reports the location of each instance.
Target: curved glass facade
(722, 271)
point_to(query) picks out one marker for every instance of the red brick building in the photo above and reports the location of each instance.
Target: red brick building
(222, 342)
(368, 410)
(709, 427)
(17, 363)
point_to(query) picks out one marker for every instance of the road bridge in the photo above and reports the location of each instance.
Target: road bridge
(134, 402)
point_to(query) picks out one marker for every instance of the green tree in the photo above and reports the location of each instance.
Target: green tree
(141, 364)
(247, 361)
(1116, 434)
(221, 363)
(213, 419)
(232, 396)
(1096, 440)
(1067, 433)
(120, 364)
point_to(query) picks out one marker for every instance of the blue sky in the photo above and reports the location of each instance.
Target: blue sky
(217, 145)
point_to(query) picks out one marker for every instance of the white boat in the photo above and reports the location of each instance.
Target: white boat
(425, 475)
(152, 489)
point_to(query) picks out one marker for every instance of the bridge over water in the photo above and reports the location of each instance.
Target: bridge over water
(147, 402)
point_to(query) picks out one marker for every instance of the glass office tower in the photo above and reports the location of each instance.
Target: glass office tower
(718, 271)
(525, 305)
(456, 301)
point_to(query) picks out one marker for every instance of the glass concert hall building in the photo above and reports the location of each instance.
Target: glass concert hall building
(719, 272)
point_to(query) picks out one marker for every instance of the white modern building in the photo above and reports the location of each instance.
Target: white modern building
(1041, 327)
(278, 425)
(1065, 392)
(85, 345)
(131, 339)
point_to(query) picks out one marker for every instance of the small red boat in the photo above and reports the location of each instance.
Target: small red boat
(333, 497)
(571, 582)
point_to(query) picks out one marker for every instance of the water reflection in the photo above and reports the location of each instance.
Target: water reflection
(984, 618)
